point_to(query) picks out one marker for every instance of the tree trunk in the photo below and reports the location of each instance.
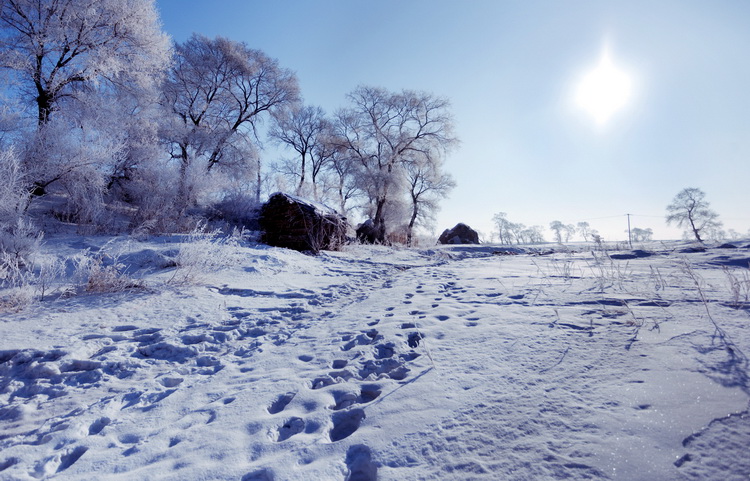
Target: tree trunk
(45, 108)
(302, 175)
(183, 193)
(43, 98)
(413, 219)
(379, 220)
(696, 231)
(342, 201)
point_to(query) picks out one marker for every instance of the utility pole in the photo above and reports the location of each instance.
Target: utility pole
(630, 239)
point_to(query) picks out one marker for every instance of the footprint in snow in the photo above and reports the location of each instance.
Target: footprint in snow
(389, 368)
(166, 351)
(129, 438)
(281, 403)
(128, 327)
(196, 418)
(385, 350)
(255, 332)
(103, 351)
(58, 463)
(259, 475)
(97, 426)
(293, 426)
(7, 463)
(70, 457)
(360, 464)
(146, 402)
(369, 393)
(343, 399)
(345, 423)
(342, 375)
(322, 381)
(363, 339)
(168, 382)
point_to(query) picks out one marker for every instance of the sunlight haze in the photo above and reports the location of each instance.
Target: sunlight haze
(604, 90)
(511, 71)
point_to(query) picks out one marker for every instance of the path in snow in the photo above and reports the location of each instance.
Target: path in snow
(371, 364)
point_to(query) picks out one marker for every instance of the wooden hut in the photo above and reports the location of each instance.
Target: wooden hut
(299, 224)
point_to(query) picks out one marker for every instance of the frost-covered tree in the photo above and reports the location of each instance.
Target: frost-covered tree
(558, 228)
(305, 129)
(642, 235)
(518, 230)
(733, 235)
(428, 184)
(503, 228)
(14, 198)
(60, 48)
(569, 231)
(563, 232)
(585, 230)
(533, 235)
(691, 211)
(381, 130)
(509, 232)
(218, 91)
(87, 69)
(340, 180)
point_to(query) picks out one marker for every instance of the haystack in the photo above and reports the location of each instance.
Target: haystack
(299, 224)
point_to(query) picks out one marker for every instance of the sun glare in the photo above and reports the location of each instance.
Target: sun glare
(604, 90)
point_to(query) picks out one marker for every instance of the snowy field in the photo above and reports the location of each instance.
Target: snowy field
(463, 362)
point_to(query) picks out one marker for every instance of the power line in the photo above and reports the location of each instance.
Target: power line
(599, 218)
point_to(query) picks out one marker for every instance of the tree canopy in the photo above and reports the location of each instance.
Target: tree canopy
(689, 209)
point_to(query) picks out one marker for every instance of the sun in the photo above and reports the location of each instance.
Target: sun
(604, 91)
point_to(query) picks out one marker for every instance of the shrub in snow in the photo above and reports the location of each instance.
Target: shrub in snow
(13, 272)
(14, 198)
(47, 270)
(19, 238)
(16, 299)
(19, 241)
(241, 210)
(102, 273)
(738, 281)
(204, 252)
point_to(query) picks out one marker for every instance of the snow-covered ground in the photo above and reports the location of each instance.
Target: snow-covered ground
(463, 362)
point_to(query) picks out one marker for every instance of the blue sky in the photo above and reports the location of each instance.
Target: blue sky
(510, 70)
